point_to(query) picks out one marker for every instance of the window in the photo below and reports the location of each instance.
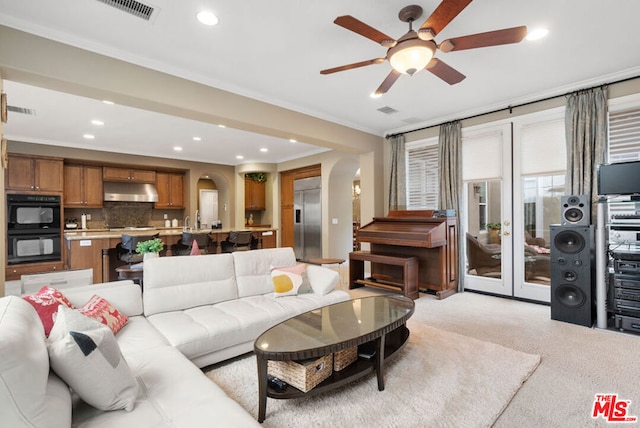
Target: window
(624, 146)
(624, 135)
(422, 174)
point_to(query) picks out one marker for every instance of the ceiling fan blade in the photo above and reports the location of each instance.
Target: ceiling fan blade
(359, 27)
(443, 15)
(354, 65)
(481, 40)
(388, 82)
(445, 71)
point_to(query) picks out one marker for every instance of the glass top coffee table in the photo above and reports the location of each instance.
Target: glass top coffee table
(377, 319)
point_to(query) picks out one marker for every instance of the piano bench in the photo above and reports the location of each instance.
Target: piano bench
(408, 284)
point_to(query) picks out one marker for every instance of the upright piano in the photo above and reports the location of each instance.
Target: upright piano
(433, 241)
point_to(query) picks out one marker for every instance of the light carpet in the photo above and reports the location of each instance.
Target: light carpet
(439, 379)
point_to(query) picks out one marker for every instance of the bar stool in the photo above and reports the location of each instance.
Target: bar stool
(183, 248)
(238, 241)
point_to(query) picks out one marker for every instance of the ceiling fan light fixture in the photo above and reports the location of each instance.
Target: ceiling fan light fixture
(410, 56)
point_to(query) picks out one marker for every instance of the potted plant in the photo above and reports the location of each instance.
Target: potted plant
(494, 232)
(150, 248)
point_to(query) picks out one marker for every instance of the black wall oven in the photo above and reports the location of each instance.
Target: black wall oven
(33, 229)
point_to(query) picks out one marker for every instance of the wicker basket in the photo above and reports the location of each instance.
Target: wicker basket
(304, 375)
(342, 359)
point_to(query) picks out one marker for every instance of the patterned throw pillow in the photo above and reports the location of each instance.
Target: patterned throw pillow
(100, 309)
(290, 280)
(195, 249)
(46, 302)
(86, 355)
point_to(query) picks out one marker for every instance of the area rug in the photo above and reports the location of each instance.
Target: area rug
(439, 379)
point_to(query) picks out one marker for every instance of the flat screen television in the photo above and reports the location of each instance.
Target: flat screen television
(621, 178)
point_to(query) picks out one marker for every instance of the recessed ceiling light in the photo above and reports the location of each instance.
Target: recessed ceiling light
(375, 95)
(239, 157)
(537, 34)
(221, 126)
(97, 122)
(264, 150)
(207, 18)
(177, 148)
(293, 140)
(88, 136)
(197, 139)
(108, 102)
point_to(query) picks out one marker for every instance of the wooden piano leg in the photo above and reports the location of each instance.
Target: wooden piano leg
(356, 271)
(410, 277)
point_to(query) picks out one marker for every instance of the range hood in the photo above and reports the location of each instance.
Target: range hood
(130, 192)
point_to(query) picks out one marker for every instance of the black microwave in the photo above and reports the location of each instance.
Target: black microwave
(33, 212)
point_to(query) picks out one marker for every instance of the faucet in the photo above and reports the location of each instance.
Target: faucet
(196, 222)
(185, 225)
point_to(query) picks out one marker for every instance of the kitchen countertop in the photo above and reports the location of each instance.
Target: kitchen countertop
(75, 234)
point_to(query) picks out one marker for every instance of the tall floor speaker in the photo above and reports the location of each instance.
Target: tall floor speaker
(573, 274)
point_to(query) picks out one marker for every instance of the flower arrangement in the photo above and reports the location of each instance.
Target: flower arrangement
(151, 246)
(259, 177)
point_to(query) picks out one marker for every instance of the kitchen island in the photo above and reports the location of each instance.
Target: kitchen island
(96, 248)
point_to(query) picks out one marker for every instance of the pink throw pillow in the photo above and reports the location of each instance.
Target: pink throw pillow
(46, 302)
(195, 250)
(102, 310)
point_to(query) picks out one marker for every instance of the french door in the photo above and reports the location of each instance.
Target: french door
(513, 175)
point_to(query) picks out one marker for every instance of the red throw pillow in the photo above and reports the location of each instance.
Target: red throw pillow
(102, 310)
(46, 302)
(195, 250)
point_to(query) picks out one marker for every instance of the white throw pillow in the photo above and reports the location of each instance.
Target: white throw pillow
(323, 280)
(86, 355)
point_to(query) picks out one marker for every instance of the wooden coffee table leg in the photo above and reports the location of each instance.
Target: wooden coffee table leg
(380, 362)
(262, 388)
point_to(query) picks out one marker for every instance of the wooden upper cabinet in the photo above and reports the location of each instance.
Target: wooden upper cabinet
(30, 173)
(128, 174)
(254, 195)
(170, 187)
(83, 186)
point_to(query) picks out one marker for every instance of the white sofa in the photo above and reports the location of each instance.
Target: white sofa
(194, 311)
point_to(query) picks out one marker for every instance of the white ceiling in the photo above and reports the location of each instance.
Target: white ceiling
(274, 50)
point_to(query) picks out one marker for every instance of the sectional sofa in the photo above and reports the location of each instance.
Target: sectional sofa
(194, 311)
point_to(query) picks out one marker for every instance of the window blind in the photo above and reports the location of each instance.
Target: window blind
(422, 175)
(482, 155)
(543, 148)
(624, 135)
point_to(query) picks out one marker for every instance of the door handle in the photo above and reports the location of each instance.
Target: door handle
(505, 233)
(507, 223)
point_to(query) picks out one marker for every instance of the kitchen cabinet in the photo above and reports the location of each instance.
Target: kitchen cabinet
(86, 254)
(14, 272)
(254, 195)
(269, 239)
(170, 187)
(128, 174)
(31, 173)
(83, 186)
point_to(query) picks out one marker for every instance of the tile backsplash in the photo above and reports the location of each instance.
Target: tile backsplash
(124, 214)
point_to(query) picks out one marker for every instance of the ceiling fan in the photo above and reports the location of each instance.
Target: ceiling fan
(415, 50)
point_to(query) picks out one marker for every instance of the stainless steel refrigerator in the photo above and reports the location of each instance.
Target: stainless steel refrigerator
(307, 227)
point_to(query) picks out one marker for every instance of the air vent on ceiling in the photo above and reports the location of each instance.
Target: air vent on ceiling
(131, 6)
(21, 110)
(387, 110)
